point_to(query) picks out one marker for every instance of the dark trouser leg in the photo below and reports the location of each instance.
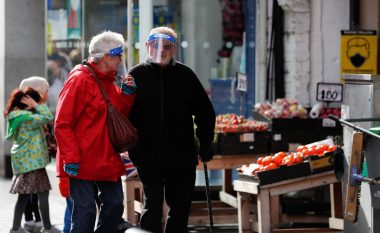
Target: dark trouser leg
(29, 209)
(151, 216)
(43, 198)
(84, 208)
(111, 210)
(179, 187)
(19, 210)
(35, 208)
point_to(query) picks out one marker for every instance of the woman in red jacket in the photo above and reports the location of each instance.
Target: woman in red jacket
(85, 153)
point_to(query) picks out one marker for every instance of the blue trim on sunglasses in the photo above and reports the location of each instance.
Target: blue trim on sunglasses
(155, 36)
(116, 51)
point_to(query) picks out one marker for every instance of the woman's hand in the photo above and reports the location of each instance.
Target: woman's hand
(128, 85)
(29, 102)
(129, 80)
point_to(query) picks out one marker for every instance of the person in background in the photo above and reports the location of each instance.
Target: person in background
(63, 59)
(32, 216)
(25, 115)
(169, 95)
(56, 77)
(85, 153)
(75, 56)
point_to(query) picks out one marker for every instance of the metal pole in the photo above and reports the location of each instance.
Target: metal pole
(208, 196)
(130, 34)
(343, 122)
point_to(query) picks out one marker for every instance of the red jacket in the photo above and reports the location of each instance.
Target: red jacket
(81, 125)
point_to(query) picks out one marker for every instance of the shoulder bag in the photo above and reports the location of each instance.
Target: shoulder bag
(123, 135)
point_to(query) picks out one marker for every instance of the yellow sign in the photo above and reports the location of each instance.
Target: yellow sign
(358, 52)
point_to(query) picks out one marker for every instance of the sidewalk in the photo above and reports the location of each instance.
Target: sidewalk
(57, 203)
(57, 206)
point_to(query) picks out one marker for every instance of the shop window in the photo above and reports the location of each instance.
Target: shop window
(210, 39)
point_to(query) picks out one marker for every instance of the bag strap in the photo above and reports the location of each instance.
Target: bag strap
(98, 82)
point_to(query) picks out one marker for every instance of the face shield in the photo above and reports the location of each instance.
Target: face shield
(161, 48)
(122, 68)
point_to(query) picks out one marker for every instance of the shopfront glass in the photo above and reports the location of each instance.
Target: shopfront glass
(210, 33)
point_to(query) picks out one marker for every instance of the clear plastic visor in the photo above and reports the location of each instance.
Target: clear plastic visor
(122, 68)
(161, 50)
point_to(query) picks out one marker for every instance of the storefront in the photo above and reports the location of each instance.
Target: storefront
(211, 36)
(210, 33)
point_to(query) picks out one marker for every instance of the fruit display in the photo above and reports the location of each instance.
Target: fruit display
(232, 123)
(281, 158)
(281, 108)
(324, 113)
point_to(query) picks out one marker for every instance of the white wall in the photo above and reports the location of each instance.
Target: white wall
(369, 15)
(328, 18)
(297, 49)
(312, 45)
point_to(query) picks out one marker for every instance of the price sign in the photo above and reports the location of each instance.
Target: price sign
(241, 82)
(329, 92)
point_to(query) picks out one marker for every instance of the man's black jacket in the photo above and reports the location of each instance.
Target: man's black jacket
(165, 104)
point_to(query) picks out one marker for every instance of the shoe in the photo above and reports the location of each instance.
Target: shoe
(29, 226)
(20, 230)
(37, 227)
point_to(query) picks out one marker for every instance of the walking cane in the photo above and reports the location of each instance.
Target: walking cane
(208, 196)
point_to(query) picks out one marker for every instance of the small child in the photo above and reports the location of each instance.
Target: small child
(32, 216)
(25, 117)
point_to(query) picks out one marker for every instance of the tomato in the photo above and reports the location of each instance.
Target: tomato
(260, 160)
(267, 160)
(281, 154)
(272, 166)
(300, 148)
(313, 151)
(289, 161)
(305, 152)
(332, 148)
(298, 158)
(277, 159)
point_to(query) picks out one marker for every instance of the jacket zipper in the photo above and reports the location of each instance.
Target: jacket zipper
(162, 114)
(162, 96)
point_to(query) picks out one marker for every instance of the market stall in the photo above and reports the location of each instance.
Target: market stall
(268, 217)
(133, 193)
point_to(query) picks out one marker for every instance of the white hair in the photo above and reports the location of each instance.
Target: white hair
(40, 84)
(103, 42)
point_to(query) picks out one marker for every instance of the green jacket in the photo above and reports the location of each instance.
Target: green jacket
(25, 130)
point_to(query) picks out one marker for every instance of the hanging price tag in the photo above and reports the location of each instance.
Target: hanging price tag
(329, 92)
(241, 82)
